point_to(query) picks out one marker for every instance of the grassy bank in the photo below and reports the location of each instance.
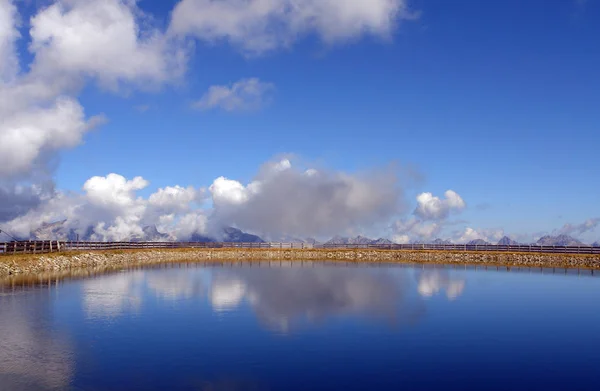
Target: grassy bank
(47, 263)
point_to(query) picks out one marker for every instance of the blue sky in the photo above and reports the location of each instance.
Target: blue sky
(497, 101)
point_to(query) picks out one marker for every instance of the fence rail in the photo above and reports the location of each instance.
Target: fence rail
(38, 247)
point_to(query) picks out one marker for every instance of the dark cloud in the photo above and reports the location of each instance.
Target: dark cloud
(17, 199)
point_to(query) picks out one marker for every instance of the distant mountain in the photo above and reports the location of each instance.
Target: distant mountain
(357, 240)
(228, 235)
(51, 231)
(234, 235)
(382, 241)
(441, 241)
(506, 241)
(560, 240)
(59, 231)
(312, 241)
(198, 238)
(596, 244)
(151, 234)
(478, 242)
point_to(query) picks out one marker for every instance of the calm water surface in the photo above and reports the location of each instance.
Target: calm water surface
(303, 327)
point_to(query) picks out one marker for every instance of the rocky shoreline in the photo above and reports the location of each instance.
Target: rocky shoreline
(37, 264)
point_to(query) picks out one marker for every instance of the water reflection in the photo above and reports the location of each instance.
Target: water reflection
(175, 284)
(110, 295)
(195, 327)
(432, 281)
(227, 293)
(32, 355)
(281, 297)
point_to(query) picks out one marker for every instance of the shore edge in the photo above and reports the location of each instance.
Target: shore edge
(44, 263)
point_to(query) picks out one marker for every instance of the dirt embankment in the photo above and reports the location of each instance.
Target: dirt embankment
(33, 264)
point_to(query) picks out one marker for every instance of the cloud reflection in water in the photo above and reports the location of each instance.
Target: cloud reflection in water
(32, 356)
(431, 282)
(282, 297)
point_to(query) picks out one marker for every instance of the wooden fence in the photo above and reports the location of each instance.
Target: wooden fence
(37, 247)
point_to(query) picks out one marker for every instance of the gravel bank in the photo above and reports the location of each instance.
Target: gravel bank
(35, 264)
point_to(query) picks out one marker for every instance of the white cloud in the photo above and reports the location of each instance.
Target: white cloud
(244, 95)
(102, 39)
(174, 198)
(282, 200)
(256, 26)
(226, 192)
(430, 217)
(469, 234)
(71, 40)
(37, 119)
(414, 229)
(193, 222)
(401, 239)
(26, 136)
(434, 208)
(111, 206)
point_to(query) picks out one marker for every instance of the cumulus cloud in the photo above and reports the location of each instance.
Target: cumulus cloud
(286, 200)
(435, 208)
(110, 209)
(429, 217)
(469, 234)
(37, 119)
(71, 40)
(27, 136)
(103, 39)
(244, 95)
(283, 199)
(257, 26)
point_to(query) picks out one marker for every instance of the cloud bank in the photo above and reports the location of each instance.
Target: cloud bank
(286, 200)
(429, 217)
(282, 199)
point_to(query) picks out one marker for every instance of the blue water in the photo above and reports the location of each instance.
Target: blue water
(273, 326)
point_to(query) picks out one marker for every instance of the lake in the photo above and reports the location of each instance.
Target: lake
(303, 326)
